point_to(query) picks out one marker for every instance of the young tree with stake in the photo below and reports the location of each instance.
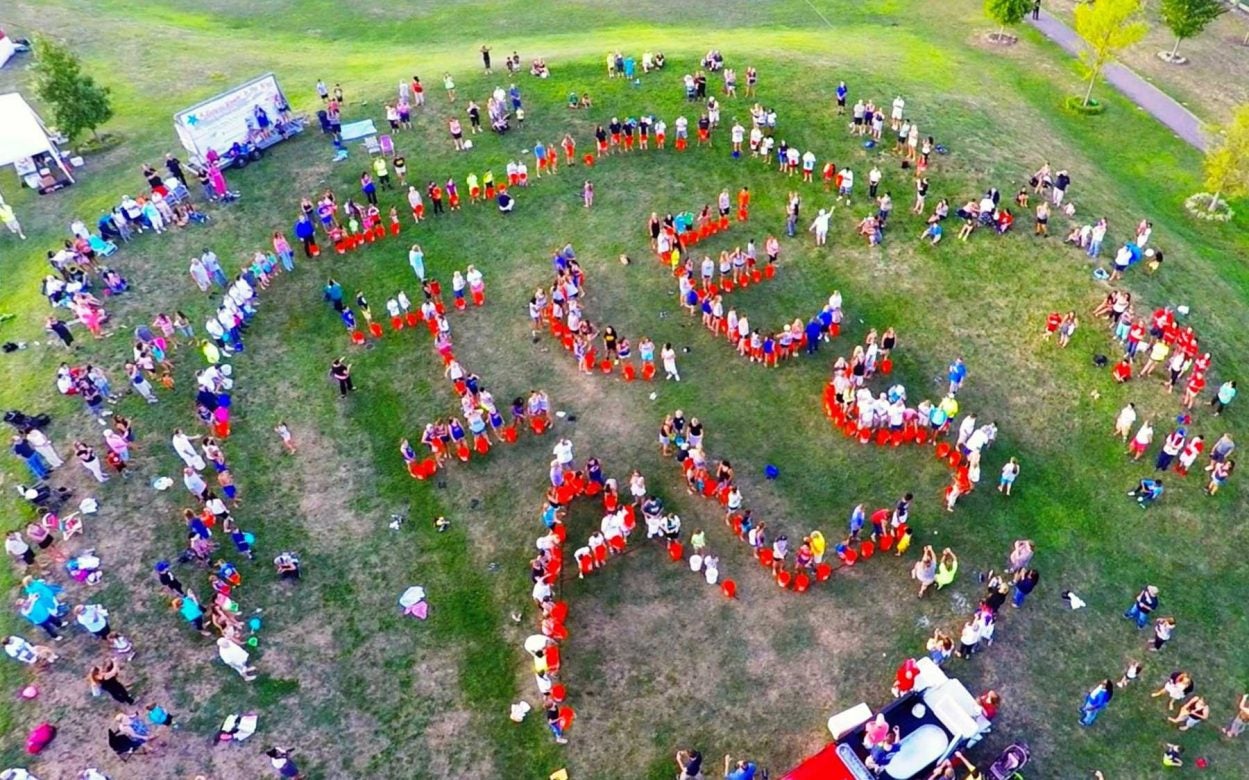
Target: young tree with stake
(1227, 162)
(1007, 13)
(1187, 18)
(1107, 27)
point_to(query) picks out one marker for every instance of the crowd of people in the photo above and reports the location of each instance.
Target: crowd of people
(702, 285)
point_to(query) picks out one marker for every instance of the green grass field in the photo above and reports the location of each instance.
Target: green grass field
(657, 660)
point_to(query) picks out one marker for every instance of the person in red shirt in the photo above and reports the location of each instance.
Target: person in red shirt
(1196, 383)
(570, 148)
(1051, 324)
(1135, 336)
(830, 171)
(1123, 370)
(904, 678)
(989, 701)
(435, 196)
(1202, 363)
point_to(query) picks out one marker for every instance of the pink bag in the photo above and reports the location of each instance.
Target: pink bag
(40, 737)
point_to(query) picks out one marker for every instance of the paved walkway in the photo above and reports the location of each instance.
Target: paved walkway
(1162, 106)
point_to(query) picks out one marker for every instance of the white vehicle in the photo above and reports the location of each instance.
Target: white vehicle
(937, 717)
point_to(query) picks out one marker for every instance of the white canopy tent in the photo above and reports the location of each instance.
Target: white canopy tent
(23, 134)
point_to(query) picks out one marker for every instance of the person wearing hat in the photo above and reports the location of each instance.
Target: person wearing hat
(166, 577)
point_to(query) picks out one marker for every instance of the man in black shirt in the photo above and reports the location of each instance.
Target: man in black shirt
(341, 372)
(690, 762)
(174, 165)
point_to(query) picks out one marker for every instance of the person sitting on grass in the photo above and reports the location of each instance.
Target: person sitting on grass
(1147, 491)
(505, 202)
(287, 565)
(933, 232)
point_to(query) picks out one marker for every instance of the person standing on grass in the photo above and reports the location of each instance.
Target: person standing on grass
(1163, 629)
(1239, 721)
(235, 657)
(1125, 421)
(820, 226)
(1145, 603)
(9, 218)
(40, 612)
(554, 722)
(925, 570)
(87, 457)
(669, 357)
(690, 763)
(341, 373)
(105, 678)
(1224, 396)
(1140, 442)
(1025, 582)
(1095, 701)
(448, 84)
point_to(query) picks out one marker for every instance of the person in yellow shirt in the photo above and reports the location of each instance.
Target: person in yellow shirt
(382, 173)
(818, 546)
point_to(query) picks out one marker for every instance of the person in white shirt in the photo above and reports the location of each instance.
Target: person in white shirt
(737, 133)
(820, 227)
(895, 118)
(873, 181)
(847, 185)
(563, 452)
(966, 428)
(235, 657)
(39, 440)
(186, 450)
(1125, 421)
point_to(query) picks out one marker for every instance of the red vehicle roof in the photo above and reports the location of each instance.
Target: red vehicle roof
(824, 765)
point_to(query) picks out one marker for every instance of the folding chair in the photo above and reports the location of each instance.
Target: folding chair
(388, 146)
(370, 143)
(102, 247)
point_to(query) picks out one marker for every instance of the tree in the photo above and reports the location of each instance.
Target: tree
(1006, 13)
(1187, 18)
(1227, 162)
(1108, 27)
(78, 103)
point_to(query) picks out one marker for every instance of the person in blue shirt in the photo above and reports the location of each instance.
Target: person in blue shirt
(857, 516)
(334, 294)
(814, 330)
(883, 752)
(305, 231)
(841, 98)
(1147, 491)
(1096, 701)
(957, 373)
(742, 770)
